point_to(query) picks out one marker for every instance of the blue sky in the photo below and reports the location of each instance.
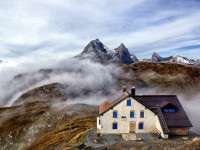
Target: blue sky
(62, 28)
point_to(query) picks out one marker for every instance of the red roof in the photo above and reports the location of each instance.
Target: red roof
(106, 105)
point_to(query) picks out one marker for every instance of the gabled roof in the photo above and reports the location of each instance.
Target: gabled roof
(155, 103)
(175, 119)
(106, 105)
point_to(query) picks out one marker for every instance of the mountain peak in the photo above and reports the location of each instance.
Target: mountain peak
(155, 57)
(122, 55)
(97, 41)
(122, 45)
(94, 45)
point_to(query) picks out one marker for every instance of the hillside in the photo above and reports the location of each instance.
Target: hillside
(173, 77)
(40, 125)
(49, 93)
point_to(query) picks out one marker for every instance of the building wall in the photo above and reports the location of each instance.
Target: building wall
(122, 109)
(159, 128)
(178, 131)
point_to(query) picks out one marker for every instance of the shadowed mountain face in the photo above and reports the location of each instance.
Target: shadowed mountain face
(156, 58)
(122, 55)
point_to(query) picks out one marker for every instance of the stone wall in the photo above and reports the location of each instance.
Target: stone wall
(178, 131)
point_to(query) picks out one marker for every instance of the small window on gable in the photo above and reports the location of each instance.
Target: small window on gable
(165, 110)
(169, 107)
(132, 114)
(114, 114)
(114, 125)
(99, 122)
(142, 114)
(128, 102)
(172, 110)
(141, 125)
(169, 110)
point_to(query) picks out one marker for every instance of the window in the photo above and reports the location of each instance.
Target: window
(131, 114)
(128, 102)
(99, 122)
(123, 118)
(141, 125)
(171, 110)
(165, 110)
(115, 114)
(115, 125)
(142, 114)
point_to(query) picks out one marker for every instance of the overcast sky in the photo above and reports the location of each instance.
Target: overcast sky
(62, 28)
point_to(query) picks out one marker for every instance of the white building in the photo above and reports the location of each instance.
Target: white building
(128, 113)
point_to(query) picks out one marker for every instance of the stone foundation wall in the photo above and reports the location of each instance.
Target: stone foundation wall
(178, 131)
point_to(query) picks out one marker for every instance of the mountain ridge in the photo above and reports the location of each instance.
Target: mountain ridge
(98, 52)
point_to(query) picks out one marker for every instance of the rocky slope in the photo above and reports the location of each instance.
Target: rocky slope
(49, 93)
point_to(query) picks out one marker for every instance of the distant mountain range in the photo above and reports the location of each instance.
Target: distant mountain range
(98, 52)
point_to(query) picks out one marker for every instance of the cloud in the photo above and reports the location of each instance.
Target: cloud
(39, 28)
(77, 75)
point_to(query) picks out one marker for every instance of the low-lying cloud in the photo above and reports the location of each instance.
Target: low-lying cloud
(77, 75)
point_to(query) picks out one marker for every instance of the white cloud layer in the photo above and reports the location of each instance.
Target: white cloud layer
(56, 28)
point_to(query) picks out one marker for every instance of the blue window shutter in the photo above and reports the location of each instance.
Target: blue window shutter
(114, 114)
(141, 114)
(172, 110)
(99, 122)
(114, 125)
(132, 114)
(141, 125)
(128, 102)
(165, 110)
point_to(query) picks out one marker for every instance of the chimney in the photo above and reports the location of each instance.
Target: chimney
(132, 91)
(124, 88)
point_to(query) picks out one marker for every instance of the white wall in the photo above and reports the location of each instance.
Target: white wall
(158, 126)
(107, 119)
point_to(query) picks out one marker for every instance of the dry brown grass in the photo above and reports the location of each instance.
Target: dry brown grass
(193, 144)
(47, 127)
(21, 116)
(178, 78)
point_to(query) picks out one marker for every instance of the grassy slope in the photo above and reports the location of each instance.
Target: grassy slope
(38, 126)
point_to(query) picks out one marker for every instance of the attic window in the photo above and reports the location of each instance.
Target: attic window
(168, 107)
(169, 110)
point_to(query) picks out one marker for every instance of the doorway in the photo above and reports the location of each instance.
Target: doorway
(132, 127)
